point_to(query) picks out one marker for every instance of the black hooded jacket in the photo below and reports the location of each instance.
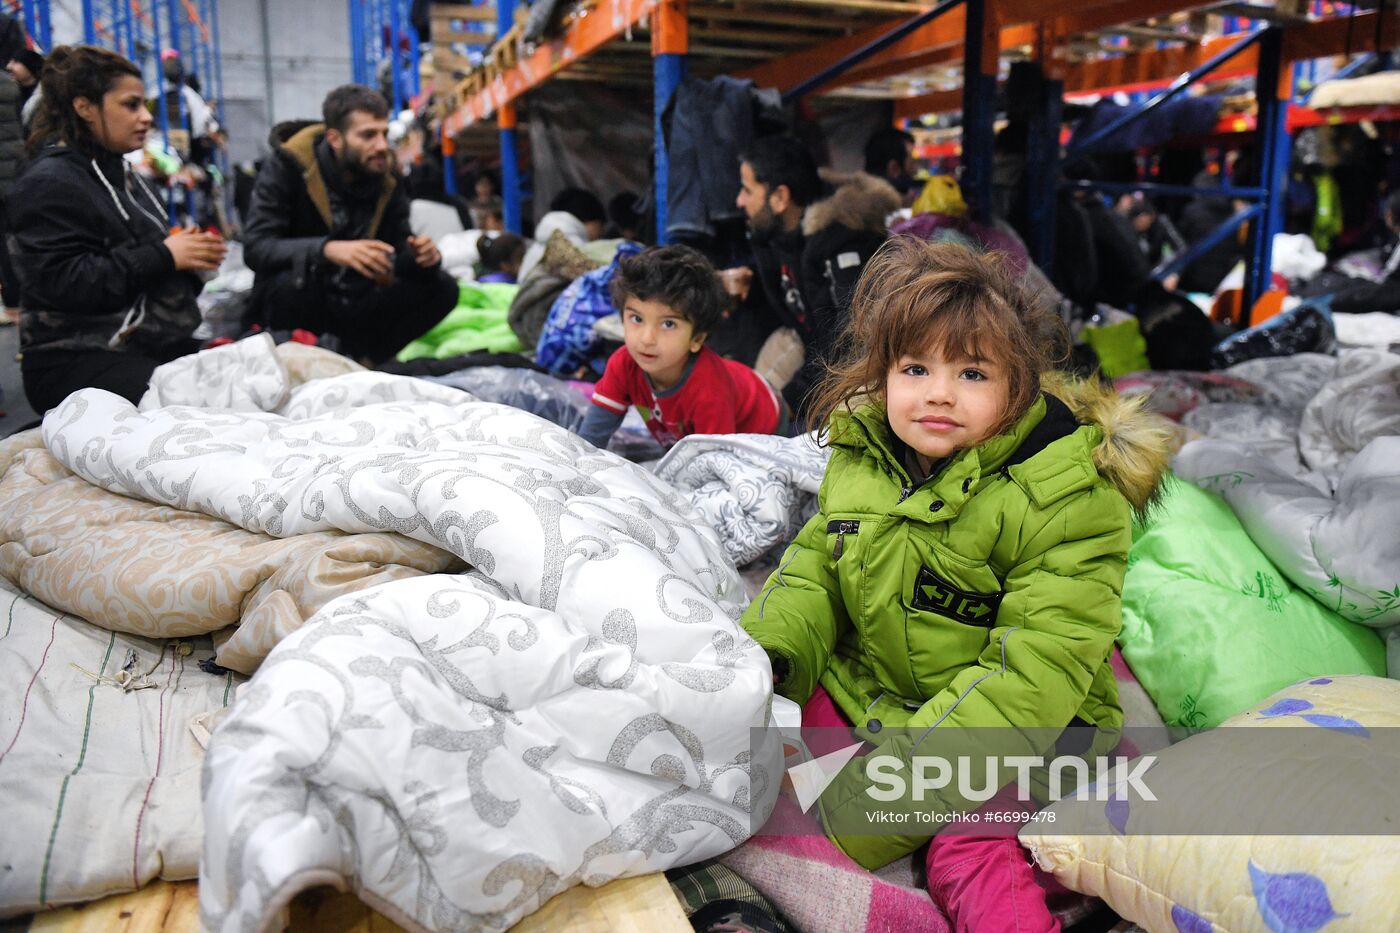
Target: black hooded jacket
(301, 201)
(809, 274)
(89, 249)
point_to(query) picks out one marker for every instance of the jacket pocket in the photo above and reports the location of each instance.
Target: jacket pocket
(936, 594)
(951, 586)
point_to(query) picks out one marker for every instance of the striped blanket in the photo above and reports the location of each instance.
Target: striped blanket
(100, 785)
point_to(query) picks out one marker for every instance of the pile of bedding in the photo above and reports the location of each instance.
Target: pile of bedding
(1298, 466)
(456, 747)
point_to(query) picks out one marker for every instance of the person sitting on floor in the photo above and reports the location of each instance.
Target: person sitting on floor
(500, 258)
(959, 585)
(671, 300)
(109, 291)
(328, 235)
(808, 251)
(1382, 295)
(574, 212)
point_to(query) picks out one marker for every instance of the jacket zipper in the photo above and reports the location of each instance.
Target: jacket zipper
(841, 528)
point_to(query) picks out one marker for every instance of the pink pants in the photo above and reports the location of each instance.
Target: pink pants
(984, 884)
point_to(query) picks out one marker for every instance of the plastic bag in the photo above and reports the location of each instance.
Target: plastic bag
(1305, 329)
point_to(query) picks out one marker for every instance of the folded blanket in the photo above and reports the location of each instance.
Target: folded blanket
(1343, 548)
(755, 491)
(820, 890)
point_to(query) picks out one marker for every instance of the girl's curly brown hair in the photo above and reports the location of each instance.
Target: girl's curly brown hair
(916, 297)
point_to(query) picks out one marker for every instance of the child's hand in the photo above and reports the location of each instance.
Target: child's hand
(736, 281)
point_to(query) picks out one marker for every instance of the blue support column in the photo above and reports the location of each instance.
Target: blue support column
(1043, 172)
(1273, 148)
(217, 69)
(670, 52)
(668, 71)
(979, 111)
(162, 110)
(356, 45)
(395, 64)
(415, 80)
(510, 169)
(36, 22)
(449, 165)
(505, 119)
(89, 24)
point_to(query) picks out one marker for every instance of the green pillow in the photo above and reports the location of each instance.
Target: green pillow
(478, 322)
(1120, 347)
(1211, 627)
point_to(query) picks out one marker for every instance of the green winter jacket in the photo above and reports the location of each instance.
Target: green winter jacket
(987, 596)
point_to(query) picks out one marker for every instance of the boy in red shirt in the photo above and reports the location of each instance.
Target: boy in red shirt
(670, 301)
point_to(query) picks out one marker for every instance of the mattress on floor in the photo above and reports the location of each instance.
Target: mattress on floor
(99, 786)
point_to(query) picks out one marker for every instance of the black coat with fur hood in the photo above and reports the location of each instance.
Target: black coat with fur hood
(300, 201)
(809, 274)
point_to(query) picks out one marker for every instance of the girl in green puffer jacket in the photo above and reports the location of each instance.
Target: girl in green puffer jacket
(958, 589)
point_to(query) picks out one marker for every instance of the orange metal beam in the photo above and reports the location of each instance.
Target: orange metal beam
(1072, 18)
(1021, 21)
(938, 102)
(1011, 37)
(1145, 68)
(1155, 69)
(1134, 72)
(790, 70)
(938, 42)
(669, 31)
(605, 22)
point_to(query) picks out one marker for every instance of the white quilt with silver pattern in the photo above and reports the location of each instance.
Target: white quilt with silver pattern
(457, 749)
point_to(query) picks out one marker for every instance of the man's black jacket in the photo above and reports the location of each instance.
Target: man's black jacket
(301, 200)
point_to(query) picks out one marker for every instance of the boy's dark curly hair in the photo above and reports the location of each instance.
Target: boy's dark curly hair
(678, 277)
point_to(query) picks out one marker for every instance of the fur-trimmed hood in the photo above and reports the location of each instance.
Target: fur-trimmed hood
(298, 141)
(860, 202)
(301, 144)
(1136, 448)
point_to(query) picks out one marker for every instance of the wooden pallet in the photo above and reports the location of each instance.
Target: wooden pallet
(628, 905)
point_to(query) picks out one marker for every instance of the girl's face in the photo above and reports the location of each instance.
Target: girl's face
(121, 121)
(938, 405)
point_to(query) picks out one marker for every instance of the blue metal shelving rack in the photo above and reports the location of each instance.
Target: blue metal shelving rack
(35, 16)
(380, 32)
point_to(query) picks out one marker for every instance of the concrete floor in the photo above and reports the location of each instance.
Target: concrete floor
(15, 412)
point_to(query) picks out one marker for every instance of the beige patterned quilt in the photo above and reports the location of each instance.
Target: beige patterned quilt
(155, 571)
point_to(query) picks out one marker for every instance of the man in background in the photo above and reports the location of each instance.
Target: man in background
(328, 235)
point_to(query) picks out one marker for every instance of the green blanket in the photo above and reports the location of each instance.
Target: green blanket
(477, 323)
(1211, 627)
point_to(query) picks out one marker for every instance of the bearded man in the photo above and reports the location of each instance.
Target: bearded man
(808, 253)
(328, 238)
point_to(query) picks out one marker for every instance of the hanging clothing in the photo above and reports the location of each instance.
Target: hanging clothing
(711, 124)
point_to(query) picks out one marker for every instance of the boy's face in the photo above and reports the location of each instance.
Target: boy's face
(660, 339)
